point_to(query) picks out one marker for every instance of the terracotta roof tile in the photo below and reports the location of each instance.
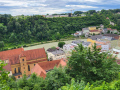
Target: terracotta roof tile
(94, 31)
(34, 54)
(7, 67)
(6, 54)
(40, 68)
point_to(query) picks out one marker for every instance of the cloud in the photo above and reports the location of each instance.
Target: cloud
(80, 6)
(30, 7)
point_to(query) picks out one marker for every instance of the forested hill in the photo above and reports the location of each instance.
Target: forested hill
(28, 29)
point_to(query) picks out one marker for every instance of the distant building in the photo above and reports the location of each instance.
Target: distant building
(85, 30)
(69, 47)
(105, 30)
(83, 15)
(55, 54)
(101, 26)
(63, 15)
(85, 44)
(95, 32)
(49, 16)
(78, 33)
(92, 28)
(112, 23)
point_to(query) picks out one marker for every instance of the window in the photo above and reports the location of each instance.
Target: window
(22, 59)
(34, 64)
(28, 68)
(24, 67)
(18, 69)
(18, 76)
(23, 64)
(14, 70)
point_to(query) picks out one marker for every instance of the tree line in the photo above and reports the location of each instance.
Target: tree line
(36, 28)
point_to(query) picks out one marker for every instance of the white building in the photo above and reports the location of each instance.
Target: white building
(69, 47)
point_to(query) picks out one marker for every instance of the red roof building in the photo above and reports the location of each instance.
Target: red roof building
(42, 68)
(21, 62)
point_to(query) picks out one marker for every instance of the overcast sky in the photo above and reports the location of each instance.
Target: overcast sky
(42, 7)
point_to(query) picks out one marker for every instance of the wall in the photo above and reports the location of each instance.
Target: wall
(24, 66)
(92, 28)
(85, 31)
(95, 32)
(55, 57)
(90, 40)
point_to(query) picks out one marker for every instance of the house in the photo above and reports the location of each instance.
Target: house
(80, 32)
(76, 34)
(83, 15)
(104, 45)
(93, 39)
(55, 54)
(63, 15)
(87, 34)
(69, 47)
(22, 62)
(112, 40)
(85, 44)
(56, 16)
(112, 23)
(49, 16)
(113, 31)
(105, 30)
(95, 32)
(41, 69)
(101, 26)
(85, 30)
(112, 35)
(92, 28)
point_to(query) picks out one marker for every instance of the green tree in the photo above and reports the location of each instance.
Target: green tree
(60, 44)
(56, 78)
(1, 45)
(74, 85)
(91, 65)
(3, 77)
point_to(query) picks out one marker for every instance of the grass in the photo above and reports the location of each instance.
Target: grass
(42, 43)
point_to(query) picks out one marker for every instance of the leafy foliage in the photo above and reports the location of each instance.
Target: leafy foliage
(56, 78)
(60, 44)
(91, 65)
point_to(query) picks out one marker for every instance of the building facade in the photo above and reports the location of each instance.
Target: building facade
(23, 62)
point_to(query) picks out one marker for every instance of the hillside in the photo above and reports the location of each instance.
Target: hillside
(37, 28)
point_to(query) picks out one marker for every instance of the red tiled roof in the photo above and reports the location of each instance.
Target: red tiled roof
(49, 65)
(12, 55)
(34, 54)
(94, 31)
(108, 28)
(40, 68)
(7, 67)
(6, 54)
(76, 33)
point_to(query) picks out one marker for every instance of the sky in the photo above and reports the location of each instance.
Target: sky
(43, 7)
